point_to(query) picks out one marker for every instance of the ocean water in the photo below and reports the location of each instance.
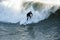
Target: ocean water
(44, 25)
(13, 11)
(48, 29)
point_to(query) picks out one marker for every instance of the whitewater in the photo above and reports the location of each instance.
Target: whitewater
(15, 11)
(43, 25)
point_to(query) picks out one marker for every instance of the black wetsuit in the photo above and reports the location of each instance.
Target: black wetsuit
(29, 15)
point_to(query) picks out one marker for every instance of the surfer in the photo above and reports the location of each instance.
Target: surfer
(29, 15)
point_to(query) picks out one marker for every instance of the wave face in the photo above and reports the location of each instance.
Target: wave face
(13, 13)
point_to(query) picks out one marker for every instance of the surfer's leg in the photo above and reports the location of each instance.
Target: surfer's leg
(27, 18)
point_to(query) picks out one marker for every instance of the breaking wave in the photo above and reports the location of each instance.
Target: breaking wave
(13, 13)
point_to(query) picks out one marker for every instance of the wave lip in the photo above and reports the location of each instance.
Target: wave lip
(40, 12)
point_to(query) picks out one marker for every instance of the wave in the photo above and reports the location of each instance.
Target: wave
(40, 12)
